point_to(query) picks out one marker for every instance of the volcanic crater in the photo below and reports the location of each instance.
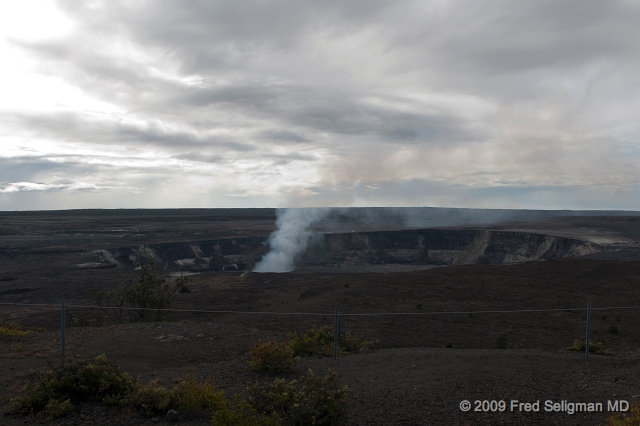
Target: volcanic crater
(427, 359)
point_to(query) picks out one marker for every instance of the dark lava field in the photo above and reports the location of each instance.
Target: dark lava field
(421, 291)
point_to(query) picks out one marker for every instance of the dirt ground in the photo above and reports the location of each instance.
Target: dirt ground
(398, 386)
(438, 348)
(411, 378)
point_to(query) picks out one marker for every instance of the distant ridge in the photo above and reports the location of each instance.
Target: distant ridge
(143, 212)
(513, 214)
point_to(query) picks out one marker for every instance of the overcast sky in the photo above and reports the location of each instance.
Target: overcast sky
(477, 103)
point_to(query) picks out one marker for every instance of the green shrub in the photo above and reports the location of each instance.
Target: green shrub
(140, 299)
(630, 418)
(189, 395)
(76, 380)
(350, 344)
(315, 341)
(81, 380)
(150, 398)
(311, 400)
(319, 341)
(271, 355)
(594, 347)
(57, 408)
(11, 331)
(613, 329)
(241, 413)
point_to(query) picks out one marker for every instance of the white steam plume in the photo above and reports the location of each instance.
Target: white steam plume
(290, 239)
(294, 232)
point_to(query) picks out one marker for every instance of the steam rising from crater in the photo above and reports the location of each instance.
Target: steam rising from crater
(296, 226)
(290, 239)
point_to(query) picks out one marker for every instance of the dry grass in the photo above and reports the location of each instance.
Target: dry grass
(10, 331)
(271, 355)
(580, 346)
(188, 395)
(319, 341)
(630, 418)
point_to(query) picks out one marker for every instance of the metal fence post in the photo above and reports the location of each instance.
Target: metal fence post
(62, 328)
(335, 336)
(586, 346)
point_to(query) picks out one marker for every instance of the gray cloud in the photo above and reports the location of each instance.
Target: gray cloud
(89, 130)
(21, 169)
(283, 135)
(202, 157)
(325, 103)
(9, 187)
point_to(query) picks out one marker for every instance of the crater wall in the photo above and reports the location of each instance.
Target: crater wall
(441, 247)
(419, 247)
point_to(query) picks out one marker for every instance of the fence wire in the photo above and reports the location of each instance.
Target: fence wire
(319, 313)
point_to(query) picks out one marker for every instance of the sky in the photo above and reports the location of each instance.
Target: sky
(255, 103)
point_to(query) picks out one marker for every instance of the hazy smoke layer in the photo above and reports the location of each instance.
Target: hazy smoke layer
(290, 239)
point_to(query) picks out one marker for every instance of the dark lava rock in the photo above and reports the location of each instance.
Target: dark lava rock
(172, 415)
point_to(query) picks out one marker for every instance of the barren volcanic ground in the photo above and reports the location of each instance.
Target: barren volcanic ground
(424, 364)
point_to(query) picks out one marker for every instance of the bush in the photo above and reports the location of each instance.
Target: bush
(189, 395)
(350, 344)
(311, 400)
(315, 341)
(271, 355)
(630, 418)
(151, 398)
(84, 380)
(241, 413)
(594, 347)
(147, 294)
(319, 341)
(76, 380)
(57, 408)
(11, 331)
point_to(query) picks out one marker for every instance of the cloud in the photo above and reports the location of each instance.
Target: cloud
(283, 135)
(31, 186)
(305, 103)
(89, 129)
(200, 157)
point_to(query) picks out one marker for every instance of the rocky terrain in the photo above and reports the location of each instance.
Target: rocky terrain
(227, 240)
(438, 348)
